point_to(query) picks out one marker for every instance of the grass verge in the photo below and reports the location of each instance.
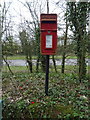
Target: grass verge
(68, 69)
(22, 57)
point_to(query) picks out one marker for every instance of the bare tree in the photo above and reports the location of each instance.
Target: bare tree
(3, 29)
(35, 8)
(65, 43)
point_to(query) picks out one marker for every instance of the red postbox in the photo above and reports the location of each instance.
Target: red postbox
(48, 35)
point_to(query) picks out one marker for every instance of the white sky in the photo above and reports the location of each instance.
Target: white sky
(17, 8)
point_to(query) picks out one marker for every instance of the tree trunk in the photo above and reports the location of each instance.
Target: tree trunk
(37, 65)
(43, 63)
(63, 63)
(54, 63)
(1, 62)
(30, 65)
(64, 51)
(78, 17)
(81, 52)
(7, 65)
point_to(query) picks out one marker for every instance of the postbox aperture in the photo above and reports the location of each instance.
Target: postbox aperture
(48, 34)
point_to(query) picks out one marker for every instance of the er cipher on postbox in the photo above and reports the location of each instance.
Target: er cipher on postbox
(48, 35)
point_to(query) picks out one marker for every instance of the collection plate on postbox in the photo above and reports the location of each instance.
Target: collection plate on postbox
(48, 34)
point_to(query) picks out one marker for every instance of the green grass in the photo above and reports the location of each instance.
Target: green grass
(88, 57)
(69, 57)
(15, 68)
(17, 57)
(88, 69)
(22, 57)
(25, 68)
(68, 69)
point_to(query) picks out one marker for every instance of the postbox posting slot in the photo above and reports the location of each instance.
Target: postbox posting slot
(48, 21)
(43, 30)
(48, 25)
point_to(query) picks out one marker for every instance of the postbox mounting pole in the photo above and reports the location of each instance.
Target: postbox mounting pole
(47, 74)
(47, 62)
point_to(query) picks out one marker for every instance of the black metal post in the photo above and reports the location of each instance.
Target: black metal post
(47, 62)
(47, 75)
